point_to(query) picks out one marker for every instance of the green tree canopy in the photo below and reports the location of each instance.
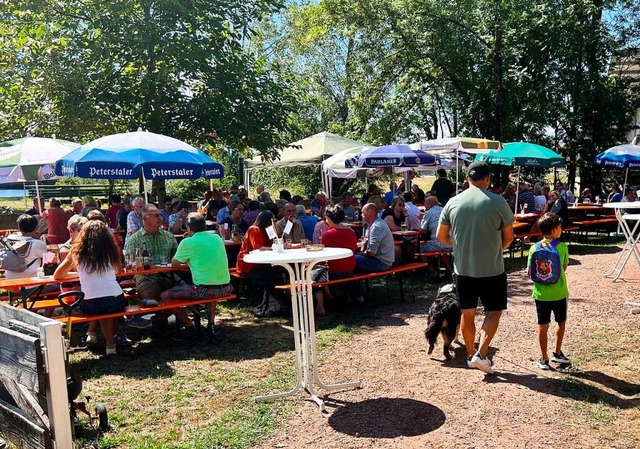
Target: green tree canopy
(80, 69)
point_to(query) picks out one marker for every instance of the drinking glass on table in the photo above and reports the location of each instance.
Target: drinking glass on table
(278, 245)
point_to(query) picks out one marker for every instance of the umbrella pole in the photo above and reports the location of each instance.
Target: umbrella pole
(626, 175)
(144, 185)
(39, 208)
(517, 191)
(457, 168)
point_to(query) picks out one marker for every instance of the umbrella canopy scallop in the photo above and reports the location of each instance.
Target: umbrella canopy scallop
(126, 155)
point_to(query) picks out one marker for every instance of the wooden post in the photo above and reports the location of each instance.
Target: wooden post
(33, 366)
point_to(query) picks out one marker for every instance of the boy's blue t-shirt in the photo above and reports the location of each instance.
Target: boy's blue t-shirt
(559, 290)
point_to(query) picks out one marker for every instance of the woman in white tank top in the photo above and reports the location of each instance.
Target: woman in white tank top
(95, 256)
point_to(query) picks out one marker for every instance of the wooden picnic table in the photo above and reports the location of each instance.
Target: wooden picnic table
(21, 285)
(528, 217)
(519, 225)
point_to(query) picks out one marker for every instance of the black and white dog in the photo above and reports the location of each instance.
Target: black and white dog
(444, 318)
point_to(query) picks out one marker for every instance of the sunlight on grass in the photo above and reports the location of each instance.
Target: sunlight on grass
(328, 337)
(597, 414)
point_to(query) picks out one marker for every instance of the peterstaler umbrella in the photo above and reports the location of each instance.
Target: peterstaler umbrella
(621, 156)
(523, 154)
(129, 155)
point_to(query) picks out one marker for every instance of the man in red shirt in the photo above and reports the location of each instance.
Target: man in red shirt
(57, 218)
(116, 205)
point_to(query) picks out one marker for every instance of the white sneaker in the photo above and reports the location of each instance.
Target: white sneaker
(544, 365)
(560, 358)
(92, 338)
(469, 362)
(111, 350)
(482, 363)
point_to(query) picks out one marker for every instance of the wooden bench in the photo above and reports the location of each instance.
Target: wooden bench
(597, 224)
(435, 254)
(71, 191)
(366, 276)
(70, 319)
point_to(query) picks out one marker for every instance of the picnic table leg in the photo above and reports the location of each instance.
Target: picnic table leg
(399, 278)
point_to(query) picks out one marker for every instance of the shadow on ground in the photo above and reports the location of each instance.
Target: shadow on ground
(571, 387)
(386, 418)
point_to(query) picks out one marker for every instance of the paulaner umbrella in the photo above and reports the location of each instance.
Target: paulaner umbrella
(392, 156)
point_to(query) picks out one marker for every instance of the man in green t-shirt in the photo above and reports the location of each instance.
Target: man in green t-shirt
(206, 257)
(478, 224)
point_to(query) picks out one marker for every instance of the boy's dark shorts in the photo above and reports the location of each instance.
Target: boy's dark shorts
(492, 292)
(544, 309)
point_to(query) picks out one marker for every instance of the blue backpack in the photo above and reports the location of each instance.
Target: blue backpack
(546, 266)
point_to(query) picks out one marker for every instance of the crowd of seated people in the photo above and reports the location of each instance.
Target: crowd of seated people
(372, 220)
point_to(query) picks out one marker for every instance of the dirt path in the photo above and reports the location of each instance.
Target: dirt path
(412, 400)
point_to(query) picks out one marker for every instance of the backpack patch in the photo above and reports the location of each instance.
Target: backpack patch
(546, 266)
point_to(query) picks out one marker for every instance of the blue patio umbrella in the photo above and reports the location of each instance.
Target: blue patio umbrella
(129, 155)
(391, 156)
(620, 156)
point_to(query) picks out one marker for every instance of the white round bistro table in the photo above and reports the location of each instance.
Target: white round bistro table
(631, 233)
(299, 264)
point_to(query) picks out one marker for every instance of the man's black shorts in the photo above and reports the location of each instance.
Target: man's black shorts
(491, 291)
(544, 309)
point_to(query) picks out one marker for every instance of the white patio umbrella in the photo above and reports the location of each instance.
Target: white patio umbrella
(457, 145)
(32, 159)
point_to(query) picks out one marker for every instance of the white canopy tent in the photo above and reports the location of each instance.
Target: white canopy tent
(310, 151)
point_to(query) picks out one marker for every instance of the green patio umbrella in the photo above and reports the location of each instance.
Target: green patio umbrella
(523, 154)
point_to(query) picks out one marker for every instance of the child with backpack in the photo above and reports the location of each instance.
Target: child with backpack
(547, 263)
